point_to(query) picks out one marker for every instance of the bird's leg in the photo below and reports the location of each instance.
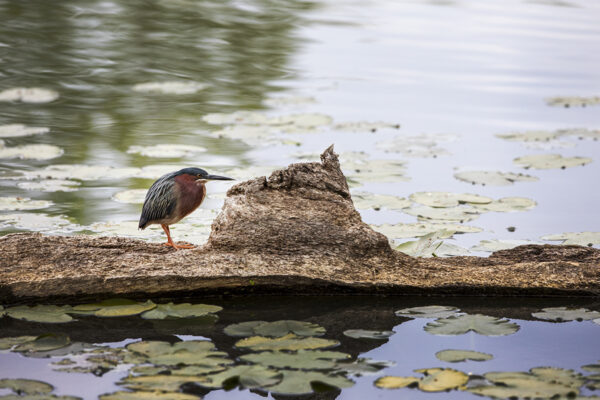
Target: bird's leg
(170, 241)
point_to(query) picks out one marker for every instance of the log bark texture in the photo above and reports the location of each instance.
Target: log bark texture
(296, 232)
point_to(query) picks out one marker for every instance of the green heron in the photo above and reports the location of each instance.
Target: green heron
(173, 196)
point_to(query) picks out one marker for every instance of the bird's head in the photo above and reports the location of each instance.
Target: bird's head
(201, 176)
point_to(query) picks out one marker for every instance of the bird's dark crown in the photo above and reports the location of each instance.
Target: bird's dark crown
(191, 171)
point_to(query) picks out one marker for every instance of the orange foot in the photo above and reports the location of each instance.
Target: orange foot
(179, 246)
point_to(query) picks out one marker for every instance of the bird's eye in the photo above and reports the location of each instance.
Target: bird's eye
(199, 175)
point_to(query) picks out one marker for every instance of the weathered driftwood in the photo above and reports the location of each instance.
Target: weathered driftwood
(296, 232)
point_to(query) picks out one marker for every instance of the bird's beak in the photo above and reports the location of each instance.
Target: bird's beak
(217, 178)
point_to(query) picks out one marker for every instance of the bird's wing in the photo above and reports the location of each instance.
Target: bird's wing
(160, 202)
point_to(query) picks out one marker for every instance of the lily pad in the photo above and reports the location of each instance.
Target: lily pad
(192, 352)
(238, 117)
(563, 314)
(430, 245)
(29, 95)
(83, 172)
(309, 120)
(288, 342)
(550, 161)
(493, 178)
(132, 196)
(481, 324)
(418, 145)
(541, 383)
(26, 386)
(364, 126)
(403, 231)
(243, 329)
(50, 185)
(139, 395)
(427, 312)
(363, 366)
(364, 200)
(573, 101)
(396, 382)
(368, 334)
(164, 383)
(246, 376)
(591, 368)
(183, 310)
(579, 238)
(284, 327)
(38, 397)
(507, 204)
(303, 359)
(7, 343)
(529, 136)
(41, 313)
(497, 245)
(167, 150)
(366, 171)
(46, 342)
(454, 356)
(19, 130)
(289, 101)
(580, 133)
(38, 222)
(459, 214)
(31, 152)
(447, 199)
(301, 382)
(22, 203)
(116, 308)
(170, 87)
(441, 379)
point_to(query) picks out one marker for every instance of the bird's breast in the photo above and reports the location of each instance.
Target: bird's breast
(190, 196)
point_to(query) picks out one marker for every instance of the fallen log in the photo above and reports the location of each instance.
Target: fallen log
(296, 232)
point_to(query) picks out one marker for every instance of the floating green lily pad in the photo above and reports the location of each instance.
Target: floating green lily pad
(441, 379)
(580, 133)
(563, 314)
(37, 222)
(83, 172)
(507, 204)
(246, 376)
(363, 366)
(364, 126)
(364, 200)
(481, 324)
(193, 352)
(7, 343)
(289, 101)
(303, 359)
(50, 185)
(132, 196)
(31, 152)
(284, 327)
(573, 101)
(396, 382)
(417, 146)
(368, 334)
(238, 117)
(497, 245)
(45, 342)
(459, 214)
(38, 397)
(116, 308)
(454, 356)
(550, 161)
(493, 178)
(243, 329)
(163, 383)
(22, 203)
(19, 130)
(366, 171)
(301, 382)
(430, 245)
(170, 87)
(403, 231)
(447, 199)
(26, 386)
(139, 395)
(29, 95)
(288, 342)
(427, 312)
(529, 136)
(579, 238)
(541, 383)
(167, 150)
(591, 368)
(183, 310)
(41, 313)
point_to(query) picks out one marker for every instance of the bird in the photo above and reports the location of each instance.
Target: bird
(173, 196)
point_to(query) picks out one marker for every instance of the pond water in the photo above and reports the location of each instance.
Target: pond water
(514, 335)
(130, 76)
